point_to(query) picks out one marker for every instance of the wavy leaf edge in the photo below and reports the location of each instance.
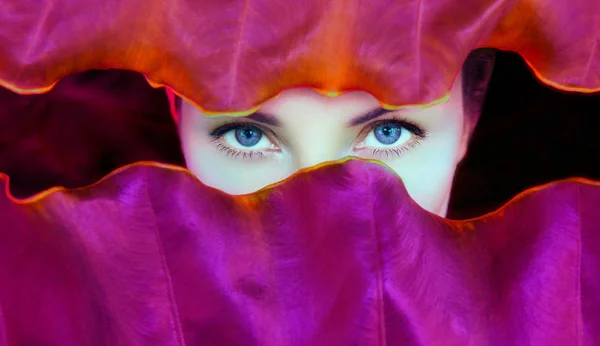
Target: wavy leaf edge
(41, 196)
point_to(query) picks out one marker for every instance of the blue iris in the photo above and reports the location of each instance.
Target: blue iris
(387, 133)
(248, 136)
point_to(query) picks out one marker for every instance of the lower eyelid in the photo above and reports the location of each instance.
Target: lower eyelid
(235, 153)
(241, 154)
(394, 151)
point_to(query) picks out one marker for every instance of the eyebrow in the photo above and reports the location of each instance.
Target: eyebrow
(264, 118)
(370, 115)
(359, 120)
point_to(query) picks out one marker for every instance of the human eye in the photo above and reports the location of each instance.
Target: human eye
(390, 137)
(244, 140)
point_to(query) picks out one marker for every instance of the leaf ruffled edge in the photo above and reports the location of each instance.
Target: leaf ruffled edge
(557, 58)
(261, 194)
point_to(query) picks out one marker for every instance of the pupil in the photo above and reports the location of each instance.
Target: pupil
(248, 135)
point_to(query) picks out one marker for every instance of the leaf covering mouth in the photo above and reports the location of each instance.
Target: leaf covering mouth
(151, 241)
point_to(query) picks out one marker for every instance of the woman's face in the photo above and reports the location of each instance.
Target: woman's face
(302, 128)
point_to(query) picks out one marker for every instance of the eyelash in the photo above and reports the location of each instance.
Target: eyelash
(236, 154)
(416, 130)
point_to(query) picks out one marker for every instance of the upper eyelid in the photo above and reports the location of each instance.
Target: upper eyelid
(389, 116)
(237, 123)
(366, 128)
(408, 125)
(269, 133)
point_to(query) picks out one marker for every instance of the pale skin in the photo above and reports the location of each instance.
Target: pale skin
(302, 128)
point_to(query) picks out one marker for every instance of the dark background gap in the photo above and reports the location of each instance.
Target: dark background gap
(529, 134)
(94, 122)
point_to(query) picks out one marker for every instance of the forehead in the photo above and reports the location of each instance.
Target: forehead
(301, 100)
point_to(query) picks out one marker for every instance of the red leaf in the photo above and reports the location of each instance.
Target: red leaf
(150, 256)
(230, 56)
